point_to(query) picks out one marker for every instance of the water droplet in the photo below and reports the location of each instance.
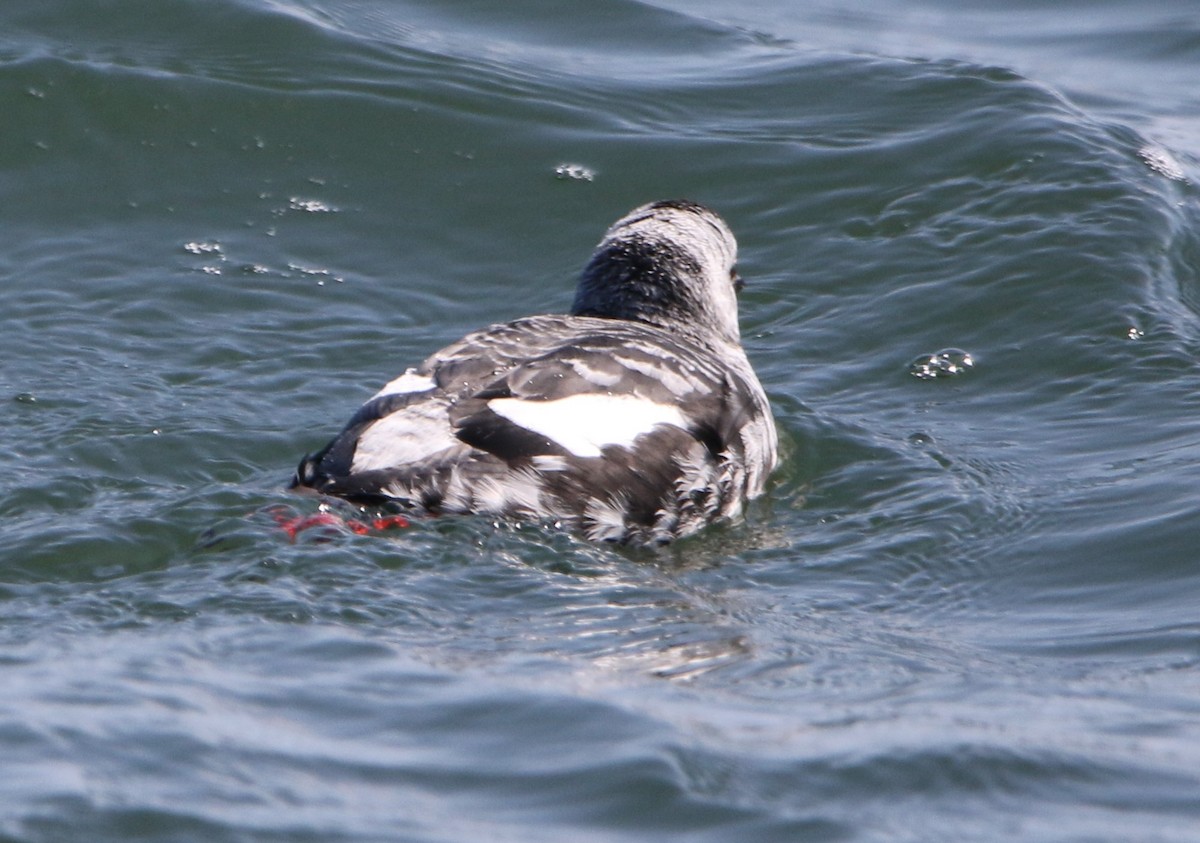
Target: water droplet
(941, 364)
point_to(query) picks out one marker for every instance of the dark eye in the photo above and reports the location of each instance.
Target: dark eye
(738, 283)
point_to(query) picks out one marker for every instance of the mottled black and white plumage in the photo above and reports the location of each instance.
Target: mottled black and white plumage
(635, 418)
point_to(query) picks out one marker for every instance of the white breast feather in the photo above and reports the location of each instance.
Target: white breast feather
(584, 424)
(410, 381)
(758, 447)
(515, 492)
(411, 435)
(604, 520)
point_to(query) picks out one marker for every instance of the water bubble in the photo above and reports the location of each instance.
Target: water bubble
(310, 206)
(197, 247)
(321, 275)
(577, 172)
(941, 364)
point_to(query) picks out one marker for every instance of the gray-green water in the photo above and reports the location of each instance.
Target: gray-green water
(967, 610)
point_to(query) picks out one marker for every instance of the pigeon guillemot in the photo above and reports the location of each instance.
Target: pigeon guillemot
(637, 417)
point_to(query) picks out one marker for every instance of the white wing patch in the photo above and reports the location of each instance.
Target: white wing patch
(583, 424)
(410, 381)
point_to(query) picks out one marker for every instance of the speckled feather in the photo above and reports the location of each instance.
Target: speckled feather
(636, 418)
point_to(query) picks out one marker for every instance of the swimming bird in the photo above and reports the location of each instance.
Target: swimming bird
(634, 418)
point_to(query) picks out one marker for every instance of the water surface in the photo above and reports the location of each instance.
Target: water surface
(966, 608)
